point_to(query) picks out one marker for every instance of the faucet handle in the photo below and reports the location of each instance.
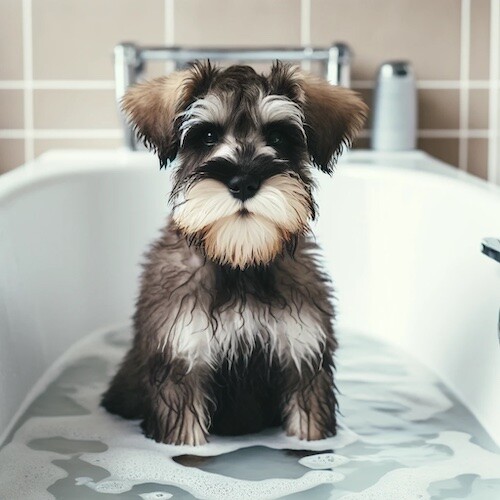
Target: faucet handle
(491, 248)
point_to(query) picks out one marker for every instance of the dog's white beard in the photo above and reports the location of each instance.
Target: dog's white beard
(244, 233)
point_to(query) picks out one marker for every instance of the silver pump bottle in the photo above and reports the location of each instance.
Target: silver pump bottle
(394, 126)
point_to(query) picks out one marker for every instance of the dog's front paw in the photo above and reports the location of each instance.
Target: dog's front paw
(311, 421)
(186, 432)
(306, 428)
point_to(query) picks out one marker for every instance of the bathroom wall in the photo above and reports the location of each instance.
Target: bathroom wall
(56, 72)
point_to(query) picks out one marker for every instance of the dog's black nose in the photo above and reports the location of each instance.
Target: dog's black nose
(243, 186)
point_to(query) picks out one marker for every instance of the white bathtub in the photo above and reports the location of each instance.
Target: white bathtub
(401, 234)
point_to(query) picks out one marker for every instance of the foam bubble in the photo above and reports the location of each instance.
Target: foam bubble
(156, 495)
(324, 461)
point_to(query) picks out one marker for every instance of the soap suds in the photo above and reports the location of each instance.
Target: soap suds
(399, 419)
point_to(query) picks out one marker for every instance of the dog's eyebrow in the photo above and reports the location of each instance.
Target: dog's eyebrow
(209, 109)
(284, 126)
(277, 108)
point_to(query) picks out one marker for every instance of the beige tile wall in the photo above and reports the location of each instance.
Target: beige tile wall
(56, 76)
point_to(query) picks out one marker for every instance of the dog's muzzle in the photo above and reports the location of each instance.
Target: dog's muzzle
(244, 218)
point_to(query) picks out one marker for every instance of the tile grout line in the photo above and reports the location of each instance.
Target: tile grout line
(116, 133)
(110, 84)
(493, 174)
(110, 133)
(444, 133)
(29, 143)
(169, 30)
(435, 84)
(305, 30)
(465, 28)
(453, 133)
(58, 84)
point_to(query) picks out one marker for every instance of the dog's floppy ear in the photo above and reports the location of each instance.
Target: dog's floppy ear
(333, 116)
(152, 108)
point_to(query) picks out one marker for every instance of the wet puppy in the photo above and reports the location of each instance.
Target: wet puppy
(233, 325)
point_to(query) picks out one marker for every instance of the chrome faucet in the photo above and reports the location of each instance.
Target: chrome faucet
(339, 65)
(131, 59)
(491, 248)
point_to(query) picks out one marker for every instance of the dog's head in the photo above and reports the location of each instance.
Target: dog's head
(244, 145)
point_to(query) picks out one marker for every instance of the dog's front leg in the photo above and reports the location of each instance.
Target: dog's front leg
(309, 402)
(180, 404)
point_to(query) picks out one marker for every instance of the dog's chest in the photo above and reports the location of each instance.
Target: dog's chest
(239, 329)
(222, 314)
(287, 333)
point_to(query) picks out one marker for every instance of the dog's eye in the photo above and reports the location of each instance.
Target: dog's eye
(275, 138)
(210, 137)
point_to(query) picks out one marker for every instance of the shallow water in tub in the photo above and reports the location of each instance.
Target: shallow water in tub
(402, 436)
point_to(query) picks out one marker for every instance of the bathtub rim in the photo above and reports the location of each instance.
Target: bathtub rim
(53, 165)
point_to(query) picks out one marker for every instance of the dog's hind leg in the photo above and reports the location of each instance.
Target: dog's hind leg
(125, 395)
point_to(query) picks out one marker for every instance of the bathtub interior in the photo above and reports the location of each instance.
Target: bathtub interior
(403, 247)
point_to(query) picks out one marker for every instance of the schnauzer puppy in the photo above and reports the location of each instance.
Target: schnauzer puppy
(233, 324)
